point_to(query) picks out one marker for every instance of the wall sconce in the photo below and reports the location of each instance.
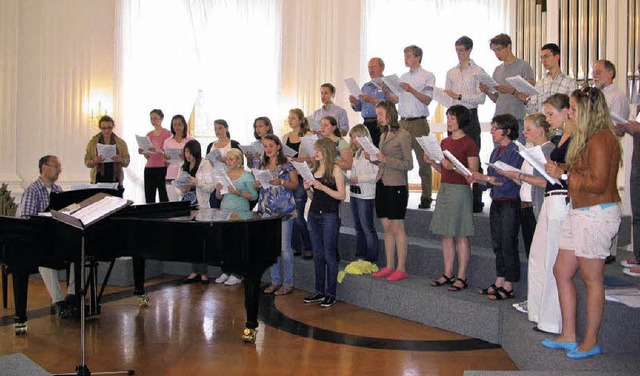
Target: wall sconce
(97, 112)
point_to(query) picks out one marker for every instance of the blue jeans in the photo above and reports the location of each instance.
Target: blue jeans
(300, 240)
(366, 234)
(324, 229)
(285, 260)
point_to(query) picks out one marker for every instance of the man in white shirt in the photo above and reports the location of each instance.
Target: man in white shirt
(463, 88)
(604, 72)
(413, 110)
(554, 81)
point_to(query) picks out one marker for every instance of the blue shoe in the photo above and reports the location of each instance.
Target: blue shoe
(550, 344)
(575, 354)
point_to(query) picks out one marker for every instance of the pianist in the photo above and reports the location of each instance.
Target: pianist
(35, 200)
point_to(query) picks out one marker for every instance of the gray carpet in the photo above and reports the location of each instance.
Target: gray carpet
(19, 364)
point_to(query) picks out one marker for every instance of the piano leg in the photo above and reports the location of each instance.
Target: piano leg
(138, 281)
(20, 289)
(252, 291)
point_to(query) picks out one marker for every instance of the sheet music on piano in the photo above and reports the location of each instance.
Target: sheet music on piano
(91, 210)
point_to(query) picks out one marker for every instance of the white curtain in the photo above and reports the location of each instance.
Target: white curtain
(172, 51)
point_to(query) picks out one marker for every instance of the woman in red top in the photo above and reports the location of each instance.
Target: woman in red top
(453, 215)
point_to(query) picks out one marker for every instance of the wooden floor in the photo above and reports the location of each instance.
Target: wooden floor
(195, 330)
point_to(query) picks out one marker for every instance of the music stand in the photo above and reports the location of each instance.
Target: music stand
(82, 369)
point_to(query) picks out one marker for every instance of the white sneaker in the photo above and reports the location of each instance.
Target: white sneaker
(634, 272)
(630, 263)
(223, 278)
(522, 307)
(233, 280)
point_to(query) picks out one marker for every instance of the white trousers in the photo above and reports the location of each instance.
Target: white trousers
(542, 298)
(50, 279)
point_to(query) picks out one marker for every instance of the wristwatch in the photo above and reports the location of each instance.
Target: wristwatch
(564, 176)
(459, 97)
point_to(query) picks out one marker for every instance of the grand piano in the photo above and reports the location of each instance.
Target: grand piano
(173, 231)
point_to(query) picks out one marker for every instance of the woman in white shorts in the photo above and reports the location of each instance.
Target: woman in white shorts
(593, 160)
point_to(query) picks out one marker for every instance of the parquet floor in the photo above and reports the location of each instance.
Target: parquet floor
(195, 330)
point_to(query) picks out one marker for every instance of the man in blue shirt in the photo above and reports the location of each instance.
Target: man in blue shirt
(35, 200)
(371, 95)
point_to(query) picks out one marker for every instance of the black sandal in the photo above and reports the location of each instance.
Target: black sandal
(501, 293)
(486, 291)
(458, 288)
(448, 281)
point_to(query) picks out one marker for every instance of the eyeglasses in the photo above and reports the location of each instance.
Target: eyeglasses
(56, 166)
(545, 56)
(495, 128)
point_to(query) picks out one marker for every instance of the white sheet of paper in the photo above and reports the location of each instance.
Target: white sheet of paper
(627, 296)
(182, 180)
(369, 147)
(314, 124)
(304, 170)
(76, 187)
(353, 87)
(378, 82)
(617, 119)
(288, 152)
(257, 146)
(487, 80)
(144, 143)
(442, 98)
(247, 149)
(431, 146)
(456, 162)
(309, 143)
(263, 176)
(522, 85)
(220, 176)
(393, 83)
(214, 156)
(536, 159)
(503, 166)
(173, 154)
(107, 152)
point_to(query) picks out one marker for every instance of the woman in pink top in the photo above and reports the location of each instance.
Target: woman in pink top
(178, 141)
(155, 170)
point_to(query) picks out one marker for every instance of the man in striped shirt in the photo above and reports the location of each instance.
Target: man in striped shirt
(554, 81)
(35, 200)
(463, 88)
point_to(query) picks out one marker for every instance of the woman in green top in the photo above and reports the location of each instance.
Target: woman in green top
(329, 129)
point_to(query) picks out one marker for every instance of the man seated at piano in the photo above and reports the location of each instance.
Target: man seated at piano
(35, 200)
(201, 181)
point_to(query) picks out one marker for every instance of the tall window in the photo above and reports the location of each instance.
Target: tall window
(221, 54)
(434, 26)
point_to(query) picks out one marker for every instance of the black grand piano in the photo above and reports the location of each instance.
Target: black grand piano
(172, 231)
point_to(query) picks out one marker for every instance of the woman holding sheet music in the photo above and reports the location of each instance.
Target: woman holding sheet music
(362, 199)
(329, 129)
(593, 160)
(543, 306)
(236, 198)
(261, 127)
(531, 182)
(504, 214)
(392, 190)
(328, 191)
(155, 170)
(279, 199)
(103, 170)
(300, 241)
(453, 215)
(178, 141)
(224, 143)
(200, 183)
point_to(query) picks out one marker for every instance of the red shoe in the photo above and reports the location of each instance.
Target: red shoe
(397, 276)
(384, 272)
